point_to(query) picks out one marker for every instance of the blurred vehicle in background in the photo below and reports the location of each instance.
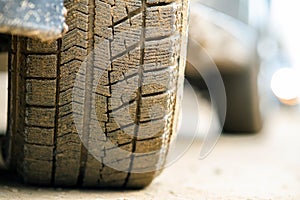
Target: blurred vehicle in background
(231, 44)
(255, 45)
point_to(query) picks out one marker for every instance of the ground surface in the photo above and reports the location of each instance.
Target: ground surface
(261, 166)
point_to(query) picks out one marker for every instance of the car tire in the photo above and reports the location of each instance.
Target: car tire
(138, 48)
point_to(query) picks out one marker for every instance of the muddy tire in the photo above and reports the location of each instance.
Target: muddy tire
(66, 96)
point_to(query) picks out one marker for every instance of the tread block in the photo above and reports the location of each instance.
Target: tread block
(76, 19)
(68, 145)
(112, 178)
(103, 20)
(73, 95)
(67, 162)
(122, 93)
(120, 137)
(112, 126)
(159, 81)
(39, 135)
(146, 162)
(34, 45)
(125, 115)
(161, 54)
(91, 174)
(117, 159)
(154, 107)
(100, 78)
(67, 97)
(140, 180)
(125, 65)
(75, 37)
(126, 34)
(37, 171)
(153, 129)
(38, 152)
(99, 109)
(41, 92)
(149, 145)
(71, 108)
(80, 5)
(161, 20)
(73, 53)
(67, 170)
(102, 90)
(41, 66)
(101, 53)
(66, 124)
(45, 116)
(69, 73)
(121, 9)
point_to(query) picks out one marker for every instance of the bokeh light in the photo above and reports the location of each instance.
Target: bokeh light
(285, 84)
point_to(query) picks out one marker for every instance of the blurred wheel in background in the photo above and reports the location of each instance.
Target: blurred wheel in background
(232, 46)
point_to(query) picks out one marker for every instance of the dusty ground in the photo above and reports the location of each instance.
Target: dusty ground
(261, 166)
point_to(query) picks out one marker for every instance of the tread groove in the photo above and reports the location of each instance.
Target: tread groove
(121, 128)
(59, 44)
(128, 49)
(129, 16)
(159, 38)
(38, 106)
(158, 4)
(40, 78)
(26, 53)
(102, 165)
(139, 92)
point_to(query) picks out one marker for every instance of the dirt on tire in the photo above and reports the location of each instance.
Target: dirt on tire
(138, 48)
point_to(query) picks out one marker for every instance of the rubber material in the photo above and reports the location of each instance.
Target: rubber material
(133, 42)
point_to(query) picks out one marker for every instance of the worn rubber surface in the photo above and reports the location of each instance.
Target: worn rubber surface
(133, 42)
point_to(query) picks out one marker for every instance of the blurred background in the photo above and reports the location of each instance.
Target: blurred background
(255, 45)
